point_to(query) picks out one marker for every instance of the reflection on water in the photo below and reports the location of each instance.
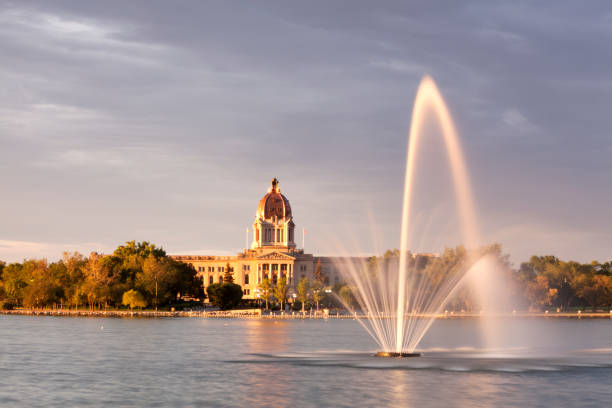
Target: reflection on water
(58, 362)
(261, 336)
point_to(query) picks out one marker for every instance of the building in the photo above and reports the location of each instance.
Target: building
(273, 252)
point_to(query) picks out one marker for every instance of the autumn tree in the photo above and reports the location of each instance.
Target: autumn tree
(155, 278)
(318, 272)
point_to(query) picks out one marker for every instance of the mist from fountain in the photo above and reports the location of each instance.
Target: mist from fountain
(400, 299)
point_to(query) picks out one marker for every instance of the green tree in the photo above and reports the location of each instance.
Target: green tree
(317, 292)
(281, 291)
(303, 292)
(16, 277)
(133, 298)
(266, 290)
(129, 258)
(228, 275)
(347, 296)
(187, 282)
(224, 295)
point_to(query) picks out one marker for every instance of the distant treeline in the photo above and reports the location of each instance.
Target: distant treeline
(134, 275)
(141, 275)
(542, 283)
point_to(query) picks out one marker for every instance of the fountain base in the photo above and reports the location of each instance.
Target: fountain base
(396, 354)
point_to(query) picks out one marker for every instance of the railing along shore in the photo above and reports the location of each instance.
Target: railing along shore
(262, 314)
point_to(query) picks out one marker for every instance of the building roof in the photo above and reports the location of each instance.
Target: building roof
(274, 204)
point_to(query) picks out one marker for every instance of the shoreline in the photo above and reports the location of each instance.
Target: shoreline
(260, 314)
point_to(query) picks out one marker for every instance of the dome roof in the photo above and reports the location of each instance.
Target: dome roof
(274, 204)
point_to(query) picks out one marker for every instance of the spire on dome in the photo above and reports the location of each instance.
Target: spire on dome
(274, 184)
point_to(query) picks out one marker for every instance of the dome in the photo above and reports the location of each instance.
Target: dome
(274, 204)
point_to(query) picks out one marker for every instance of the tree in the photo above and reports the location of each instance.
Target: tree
(186, 280)
(16, 277)
(228, 275)
(265, 289)
(281, 291)
(155, 278)
(594, 289)
(73, 276)
(129, 258)
(317, 292)
(346, 294)
(318, 272)
(539, 293)
(133, 298)
(224, 295)
(303, 292)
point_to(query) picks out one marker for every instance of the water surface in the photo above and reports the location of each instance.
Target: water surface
(62, 361)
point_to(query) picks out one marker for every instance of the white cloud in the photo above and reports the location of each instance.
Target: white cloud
(66, 36)
(515, 119)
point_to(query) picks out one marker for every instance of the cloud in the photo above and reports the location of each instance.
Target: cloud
(120, 119)
(518, 122)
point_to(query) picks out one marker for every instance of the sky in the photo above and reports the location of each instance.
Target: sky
(165, 122)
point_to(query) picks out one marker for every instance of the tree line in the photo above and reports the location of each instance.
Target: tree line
(134, 275)
(139, 274)
(542, 283)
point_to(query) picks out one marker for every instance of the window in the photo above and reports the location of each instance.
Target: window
(220, 279)
(246, 279)
(210, 280)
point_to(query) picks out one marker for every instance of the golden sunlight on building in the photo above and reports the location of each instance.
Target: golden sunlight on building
(272, 253)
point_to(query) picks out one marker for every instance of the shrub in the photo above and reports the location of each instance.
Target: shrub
(224, 295)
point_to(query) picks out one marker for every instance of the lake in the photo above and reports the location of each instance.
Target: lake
(181, 362)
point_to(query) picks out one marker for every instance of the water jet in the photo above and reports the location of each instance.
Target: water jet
(400, 301)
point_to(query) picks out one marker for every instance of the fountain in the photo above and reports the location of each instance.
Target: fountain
(399, 299)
